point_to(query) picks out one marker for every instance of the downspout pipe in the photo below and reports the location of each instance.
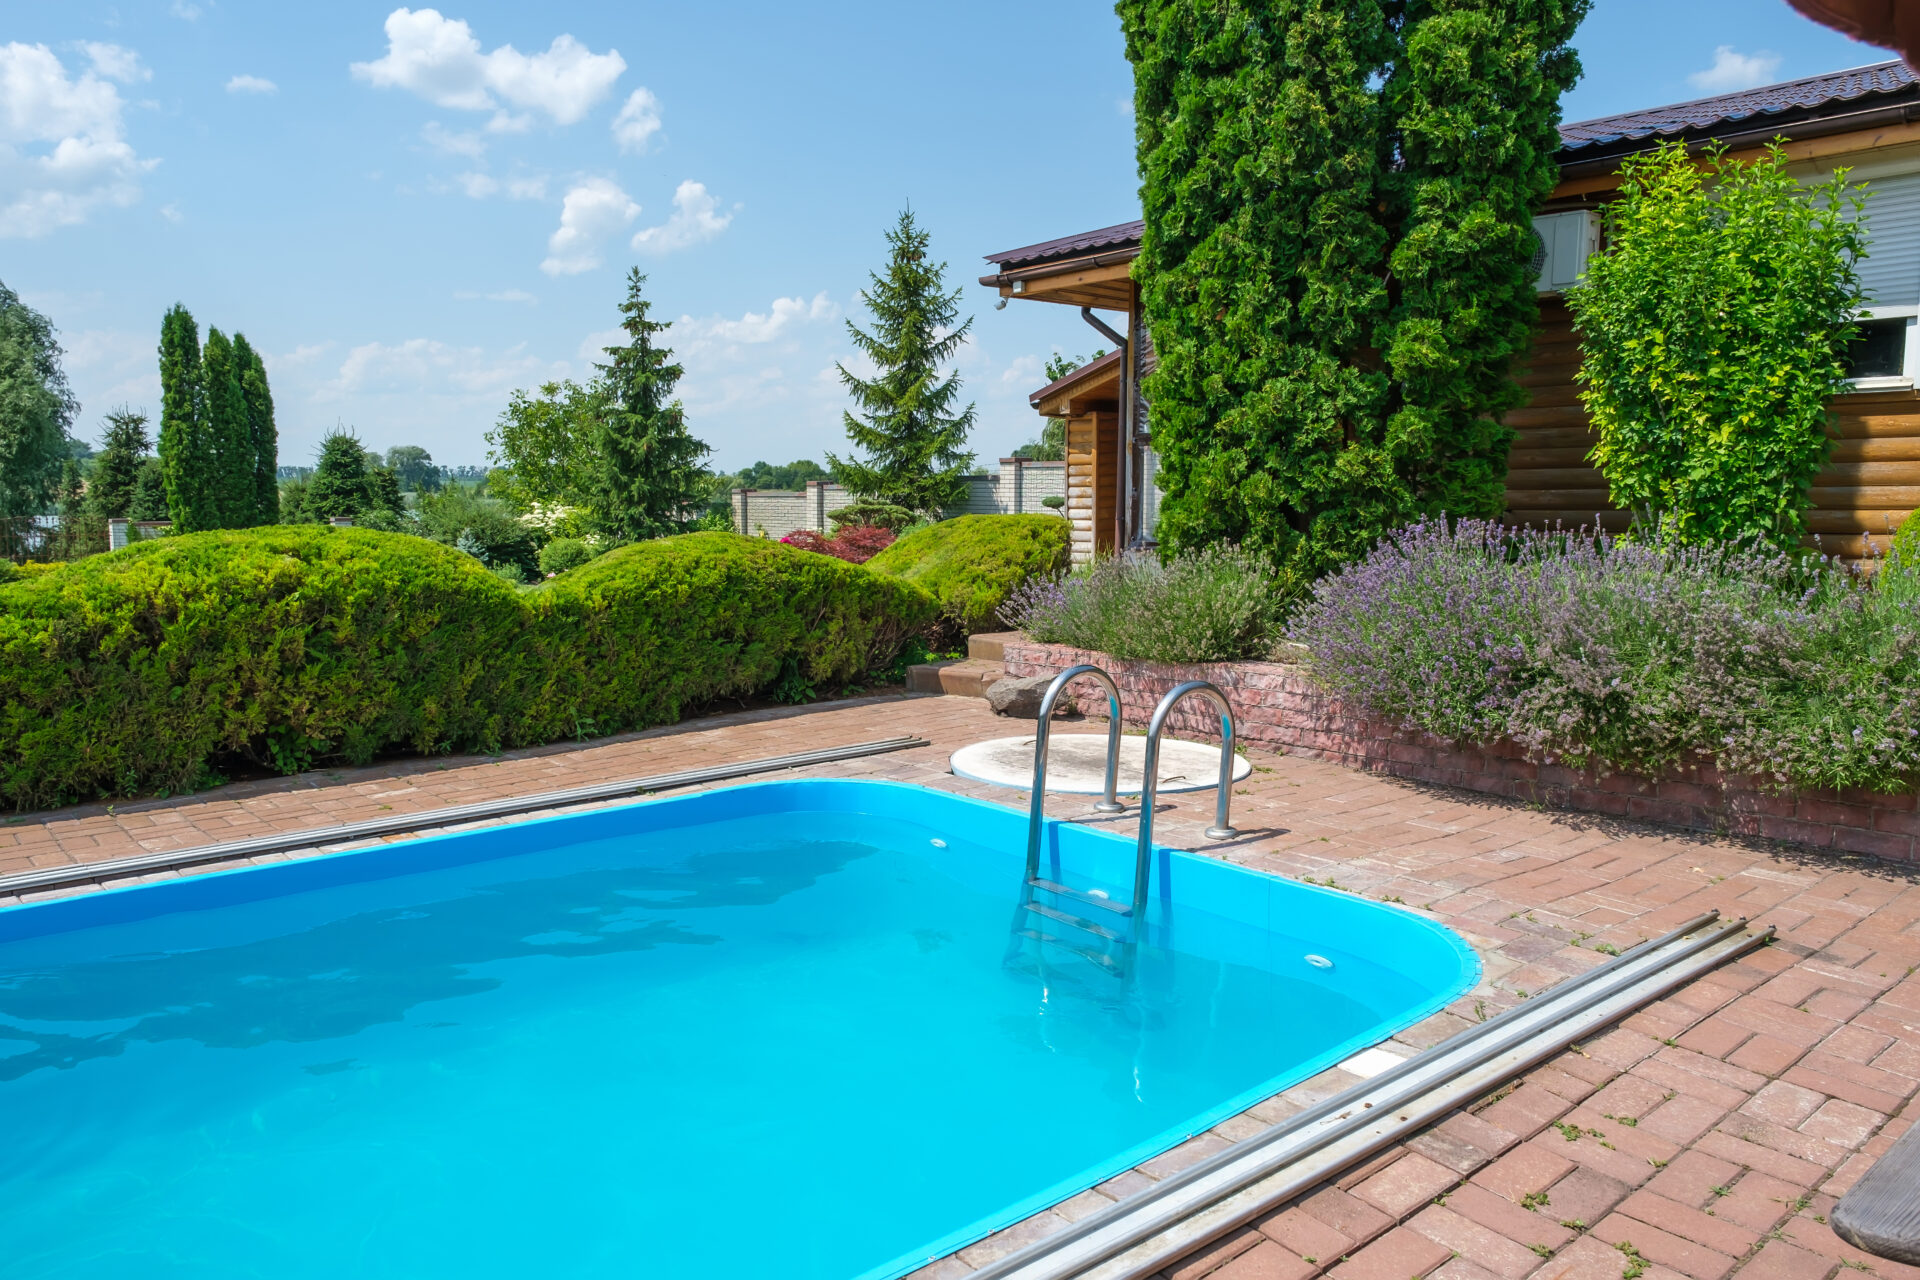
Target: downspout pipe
(1123, 497)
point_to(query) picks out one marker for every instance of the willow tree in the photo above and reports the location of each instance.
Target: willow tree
(1335, 270)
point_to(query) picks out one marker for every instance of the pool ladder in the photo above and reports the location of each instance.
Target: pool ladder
(1127, 928)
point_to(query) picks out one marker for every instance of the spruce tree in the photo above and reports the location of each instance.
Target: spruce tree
(915, 444)
(264, 436)
(649, 480)
(149, 492)
(116, 472)
(230, 430)
(1338, 196)
(188, 458)
(339, 486)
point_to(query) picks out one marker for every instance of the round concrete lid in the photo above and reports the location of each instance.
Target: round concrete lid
(1077, 762)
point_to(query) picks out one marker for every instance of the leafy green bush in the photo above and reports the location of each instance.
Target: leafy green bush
(1208, 606)
(1714, 330)
(971, 564)
(144, 669)
(563, 554)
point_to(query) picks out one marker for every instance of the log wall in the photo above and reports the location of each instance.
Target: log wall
(1093, 454)
(1870, 484)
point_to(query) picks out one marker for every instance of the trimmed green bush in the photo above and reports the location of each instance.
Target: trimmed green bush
(971, 564)
(563, 554)
(146, 669)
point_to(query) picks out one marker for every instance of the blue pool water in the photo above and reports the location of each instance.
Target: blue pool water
(770, 1030)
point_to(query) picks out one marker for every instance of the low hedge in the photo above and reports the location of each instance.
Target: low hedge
(971, 564)
(144, 669)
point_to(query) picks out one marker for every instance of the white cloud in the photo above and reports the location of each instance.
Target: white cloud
(441, 138)
(430, 367)
(116, 63)
(171, 212)
(85, 162)
(251, 84)
(593, 347)
(756, 326)
(185, 11)
(439, 59)
(477, 185)
(109, 368)
(1733, 71)
(695, 220)
(1124, 106)
(1025, 371)
(526, 188)
(637, 122)
(592, 213)
(504, 295)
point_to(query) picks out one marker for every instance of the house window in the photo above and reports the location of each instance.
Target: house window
(1880, 350)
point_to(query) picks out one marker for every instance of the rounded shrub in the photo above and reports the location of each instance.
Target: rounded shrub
(563, 554)
(144, 669)
(971, 564)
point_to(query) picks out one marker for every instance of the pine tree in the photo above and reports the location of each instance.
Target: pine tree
(915, 444)
(649, 466)
(339, 486)
(1338, 197)
(116, 472)
(188, 459)
(265, 437)
(230, 431)
(383, 492)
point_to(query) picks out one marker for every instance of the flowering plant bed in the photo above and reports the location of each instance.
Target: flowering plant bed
(1279, 708)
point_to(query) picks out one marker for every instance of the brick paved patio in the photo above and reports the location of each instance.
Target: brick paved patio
(1708, 1134)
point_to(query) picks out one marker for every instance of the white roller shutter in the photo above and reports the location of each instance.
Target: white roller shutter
(1891, 269)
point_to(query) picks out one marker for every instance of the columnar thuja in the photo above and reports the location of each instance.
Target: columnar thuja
(1335, 267)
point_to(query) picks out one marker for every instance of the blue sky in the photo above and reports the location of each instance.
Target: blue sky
(414, 212)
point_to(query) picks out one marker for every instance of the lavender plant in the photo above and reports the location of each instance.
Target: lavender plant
(1629, 655)
(1209, 606)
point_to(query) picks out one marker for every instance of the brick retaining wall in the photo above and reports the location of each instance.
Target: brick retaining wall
(1280, 710)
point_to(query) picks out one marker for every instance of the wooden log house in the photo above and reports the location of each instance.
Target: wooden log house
(1866, 120)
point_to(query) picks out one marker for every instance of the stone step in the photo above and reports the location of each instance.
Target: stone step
(965, 678)
(991, 646)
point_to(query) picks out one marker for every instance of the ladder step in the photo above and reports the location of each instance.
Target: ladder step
(1066, 944)
(1077, 922)
(1092, 900)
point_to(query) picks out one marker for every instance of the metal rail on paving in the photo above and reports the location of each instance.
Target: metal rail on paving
(1145, 1232)
(1036, 815)
(1150, 781)
(138, 864)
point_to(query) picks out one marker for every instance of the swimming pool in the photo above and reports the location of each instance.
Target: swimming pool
(788, 1029)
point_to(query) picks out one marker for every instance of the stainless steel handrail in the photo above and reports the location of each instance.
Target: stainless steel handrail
(1108, 803)
(1150, 781)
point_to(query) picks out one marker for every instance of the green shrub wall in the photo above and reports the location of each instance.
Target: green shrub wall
(143, 669)
(971, 564)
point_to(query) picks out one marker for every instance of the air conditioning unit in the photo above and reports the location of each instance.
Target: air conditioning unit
(1566, 241)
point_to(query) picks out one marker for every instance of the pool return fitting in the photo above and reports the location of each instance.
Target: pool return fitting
(1134, 912)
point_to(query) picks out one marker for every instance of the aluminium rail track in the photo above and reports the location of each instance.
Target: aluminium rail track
(313, 837)
(1144, 1233)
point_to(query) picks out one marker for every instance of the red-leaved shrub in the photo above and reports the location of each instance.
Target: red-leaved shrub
(855, 544)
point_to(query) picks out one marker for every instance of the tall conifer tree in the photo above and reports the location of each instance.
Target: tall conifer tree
(1338, 197)
(915, 443)
(649, 465)
(116, 472)
(265, 437)
(188, 460)
(230, 430)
